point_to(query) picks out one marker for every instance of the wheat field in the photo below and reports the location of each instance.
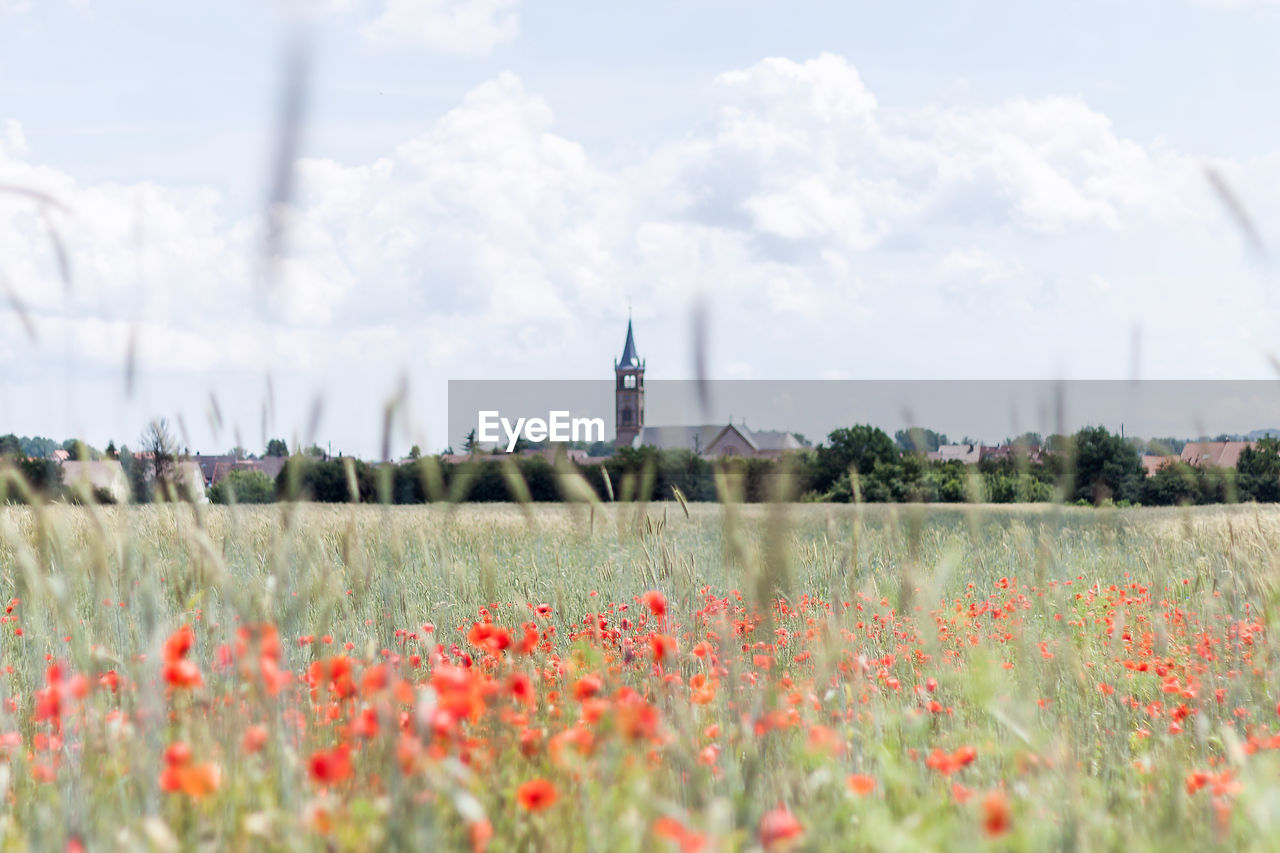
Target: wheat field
(628, 676)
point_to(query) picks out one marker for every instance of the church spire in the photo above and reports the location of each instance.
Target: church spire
(629, 357)
(629, 392)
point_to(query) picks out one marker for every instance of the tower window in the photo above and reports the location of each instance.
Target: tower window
(626, 417)
(629, 381)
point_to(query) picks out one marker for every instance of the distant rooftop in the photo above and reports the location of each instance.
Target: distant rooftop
(706, 438)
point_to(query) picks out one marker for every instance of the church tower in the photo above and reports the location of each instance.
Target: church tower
(629, 392)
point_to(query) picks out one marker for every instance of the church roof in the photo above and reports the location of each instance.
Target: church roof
(629, 357)
(773, 439)
(695, 438)
(703, 438)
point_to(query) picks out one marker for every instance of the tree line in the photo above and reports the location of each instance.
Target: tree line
(151, 474)
(859, 463)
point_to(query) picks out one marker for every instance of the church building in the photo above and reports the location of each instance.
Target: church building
(708, 440)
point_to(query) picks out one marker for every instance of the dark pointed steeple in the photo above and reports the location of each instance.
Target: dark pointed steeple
(629, 391)
(629, 357)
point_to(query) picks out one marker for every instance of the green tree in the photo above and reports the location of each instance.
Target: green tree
(470, 444)
(78, 451)
(277, 447)
(951, 480)
(1106, 467)
(325, 480)
(43, 475)
(1174, 483)
(11, 445)
(859, 447)
(243, 487)
(136, 473)
(111, 451)
(918, 440)
(1258, 471)
(415, 452)
(1166, 446)
(1058, 443)
(39, 447)
(160, 458)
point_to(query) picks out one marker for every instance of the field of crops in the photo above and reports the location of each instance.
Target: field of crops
(799, 677)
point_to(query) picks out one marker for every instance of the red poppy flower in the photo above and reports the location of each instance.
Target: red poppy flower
(327, 768)
(178, 644)
(180, 775)
(656, 602)
(520, 687)
(195, 780)
(529, 642)
(536, 795)
(255, 738)
(182, 673)
(779, 829)
(996, 815)
(586, 687)
(480, 831)
(672, 830)
(862, 784)
(177, 670)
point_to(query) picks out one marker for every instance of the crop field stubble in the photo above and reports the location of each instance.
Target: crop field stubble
(629, 676)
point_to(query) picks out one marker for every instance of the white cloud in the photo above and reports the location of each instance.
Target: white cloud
(822, 229)
(814, 166)
(794, 190)
(978, 265)
(827, 89)
(451, 27)
(14, 141)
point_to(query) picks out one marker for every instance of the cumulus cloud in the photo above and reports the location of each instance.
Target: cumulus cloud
(811, 158)
(792, 191)
(975, 264)
(487, 213)
(822, 229)
(14, 141)
(451, 27)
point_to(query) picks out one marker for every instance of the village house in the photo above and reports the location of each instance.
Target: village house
(1205, 454)
(104, 475)
(969, 454)
(972, 454)
(1214, 454)
(213, 468)
(716, 440)
(1152, 463)
(573, 454)
(187, 476)
(108, 476)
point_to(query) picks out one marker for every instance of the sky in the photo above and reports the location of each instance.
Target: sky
(484, 189)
